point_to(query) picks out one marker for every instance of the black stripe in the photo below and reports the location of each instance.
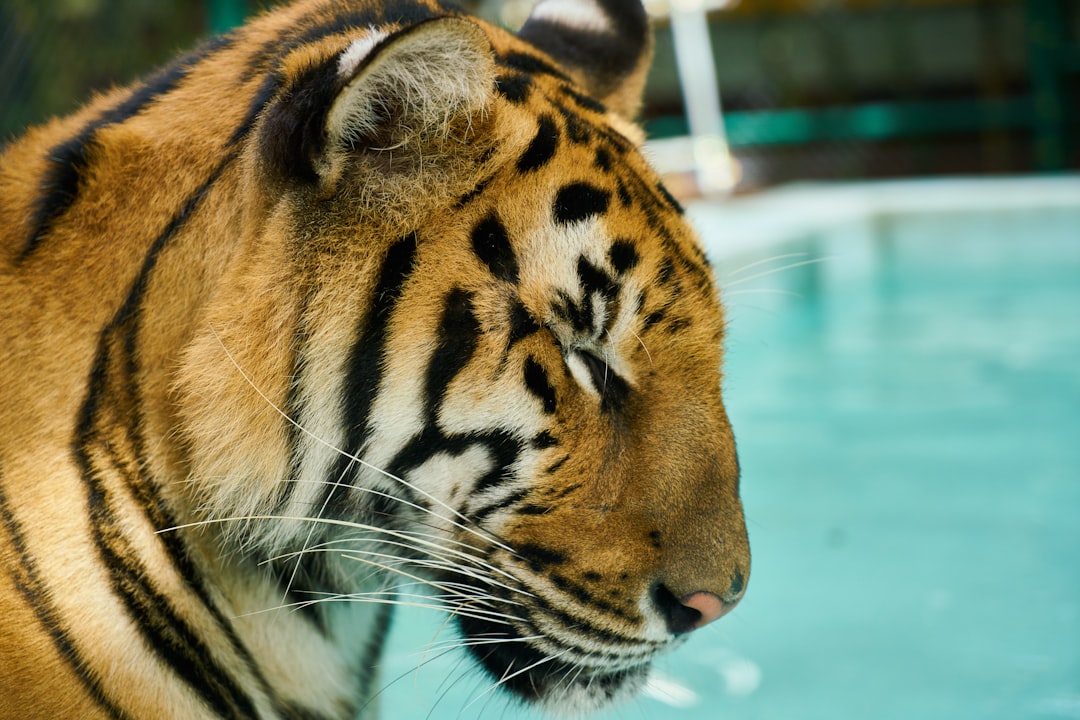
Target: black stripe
(134, 475)
(269, 87)
(115, 375)
(71, 158)
(583, 101)
(614, 390)
(127, 323)
(503, 447)
(34, 589)
(585, 626)
(543, 440)
(602, 159)
(543, 146)
(475, 192)
(593, 280)
(491, 243)
(158, 621)
(481, 514)
(672, 203)
(536, 382)
(579, 201)
(623, 256)
(656, 208)
(551, 469)
(138, 289)
(369, 668)
(539, 558)
(522, 324)
(614, 139)
(161, 626)
(458, 335)
(578, 129)
(514, 87)
(366, 358)
(530, 65)
(579, 315)
(585, 597)
(653, 318)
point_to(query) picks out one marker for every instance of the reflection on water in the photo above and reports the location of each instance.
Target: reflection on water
(908, 417)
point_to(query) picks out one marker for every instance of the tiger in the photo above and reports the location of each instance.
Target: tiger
(357, 304)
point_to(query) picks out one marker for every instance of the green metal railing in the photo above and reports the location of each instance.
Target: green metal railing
(1046, 111)
(876, 121)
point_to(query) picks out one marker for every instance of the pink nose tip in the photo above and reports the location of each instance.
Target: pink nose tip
(709, 605)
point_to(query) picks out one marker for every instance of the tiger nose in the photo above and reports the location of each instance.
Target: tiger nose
(696, 609)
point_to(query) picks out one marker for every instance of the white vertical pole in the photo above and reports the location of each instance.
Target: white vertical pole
(713, 164)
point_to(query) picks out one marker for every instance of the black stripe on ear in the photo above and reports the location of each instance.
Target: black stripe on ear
(292, 134)
(607, 55)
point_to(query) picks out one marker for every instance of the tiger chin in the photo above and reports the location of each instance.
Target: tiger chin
(361, 303)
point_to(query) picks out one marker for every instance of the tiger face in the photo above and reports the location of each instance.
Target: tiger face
(426, 316)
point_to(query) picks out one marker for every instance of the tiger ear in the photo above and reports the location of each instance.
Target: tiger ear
(606, 45)
(395, 104)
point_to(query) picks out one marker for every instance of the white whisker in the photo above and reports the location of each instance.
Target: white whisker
(756, 263)
(772, 271)
(471, 558)
(763, 291)
(307, 540)
(642, 343)
(498, 618)
(471, 642)
(479, 569)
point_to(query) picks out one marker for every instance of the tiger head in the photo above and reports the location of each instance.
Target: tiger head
(466, 337)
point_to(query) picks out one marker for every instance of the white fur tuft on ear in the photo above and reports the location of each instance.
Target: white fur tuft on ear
(417, 84)
(358, 50)
(581, 14)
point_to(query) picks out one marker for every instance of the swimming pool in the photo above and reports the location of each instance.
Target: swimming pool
(906, 397)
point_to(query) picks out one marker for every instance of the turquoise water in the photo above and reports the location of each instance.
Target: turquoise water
(907, 409)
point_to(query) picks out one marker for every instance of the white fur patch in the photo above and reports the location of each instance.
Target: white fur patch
(439, 475)
(581, 14)
(358, 50)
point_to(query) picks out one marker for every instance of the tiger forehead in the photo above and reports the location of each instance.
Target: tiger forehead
(579, 237)
(577, 166)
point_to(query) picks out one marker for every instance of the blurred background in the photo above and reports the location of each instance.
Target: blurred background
(888, 192)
